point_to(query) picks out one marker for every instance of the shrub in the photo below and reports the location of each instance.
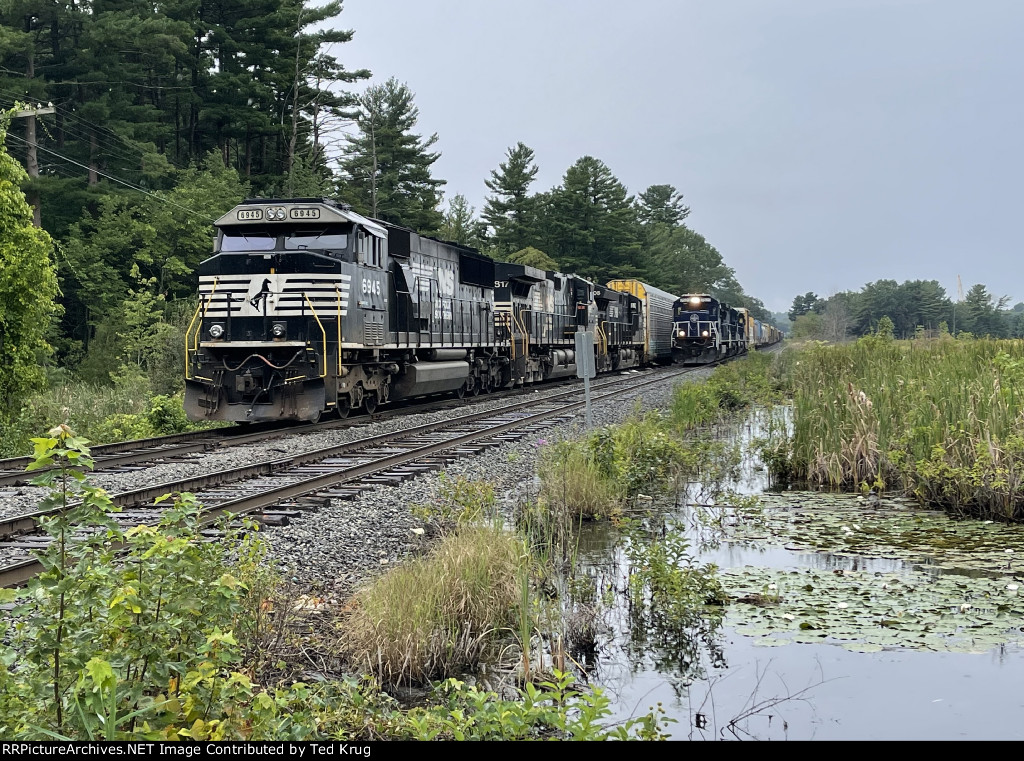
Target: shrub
(129, 634)
(166, 414)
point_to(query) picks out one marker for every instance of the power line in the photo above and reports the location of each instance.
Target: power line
(99, 133)
(111, 177)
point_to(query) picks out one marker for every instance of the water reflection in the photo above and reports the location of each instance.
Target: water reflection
(721, 685)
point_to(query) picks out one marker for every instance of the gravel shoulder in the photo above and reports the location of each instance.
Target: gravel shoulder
(349, 542)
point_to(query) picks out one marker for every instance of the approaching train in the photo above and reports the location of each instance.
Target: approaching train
(708, 330)
(308, 308)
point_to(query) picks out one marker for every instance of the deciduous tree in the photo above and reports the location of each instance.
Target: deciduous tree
(28, 285)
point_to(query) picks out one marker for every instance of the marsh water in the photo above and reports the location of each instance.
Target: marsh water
(858, 618)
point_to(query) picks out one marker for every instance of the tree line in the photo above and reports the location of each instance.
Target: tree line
(913, 308)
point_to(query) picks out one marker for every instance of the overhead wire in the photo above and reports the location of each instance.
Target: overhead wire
(87, 131)
(111, 177)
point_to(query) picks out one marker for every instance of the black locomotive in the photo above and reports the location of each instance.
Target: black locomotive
(708, 330)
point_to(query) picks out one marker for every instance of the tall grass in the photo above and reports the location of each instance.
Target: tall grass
(441, 613)
(98, 413)
(943, 419)
(731, 388)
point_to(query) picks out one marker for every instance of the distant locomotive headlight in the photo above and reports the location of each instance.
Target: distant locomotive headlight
(682, 334)
(278, 329)
(705, 334)
(695, 300)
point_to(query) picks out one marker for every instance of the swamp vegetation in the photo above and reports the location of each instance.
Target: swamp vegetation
(941, 420)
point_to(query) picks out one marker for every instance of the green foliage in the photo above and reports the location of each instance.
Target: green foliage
(590, 223)
(938, 418)
(730, 389)
(809, 302)
(128, 634)
(885, 329)
(682, 261)
(910, 305)
(809, 325)
(639, 453)
(674, 603)
(533, 257)
(552, 709)
(661, 205)
(439, 613)
(129, 262)
(460, 225)
(101, 413)
(28, 286)
(574, 486)
(461, 501)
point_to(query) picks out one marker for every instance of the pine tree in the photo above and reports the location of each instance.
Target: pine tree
(661, 205)
(386, 167)
(460, 223)
(590, 224)
(682, 261)
(510, 212)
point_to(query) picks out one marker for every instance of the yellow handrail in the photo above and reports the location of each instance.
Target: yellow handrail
(323, 333)
(602, 343)
(522, 326)
(201, 307)
(338, 292)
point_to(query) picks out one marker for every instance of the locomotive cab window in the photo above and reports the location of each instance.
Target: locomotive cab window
(323, 239)
(246, 239)
(377, 246)
(370, 250)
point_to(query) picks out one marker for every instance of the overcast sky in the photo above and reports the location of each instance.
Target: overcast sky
(820, 144)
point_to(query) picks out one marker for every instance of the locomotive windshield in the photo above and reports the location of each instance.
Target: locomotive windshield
(301, 239)
(249, 238)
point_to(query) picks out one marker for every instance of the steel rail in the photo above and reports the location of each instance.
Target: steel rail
(169, 446)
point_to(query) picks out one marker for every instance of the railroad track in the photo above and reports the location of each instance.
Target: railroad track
(339, 471)
(124, 456)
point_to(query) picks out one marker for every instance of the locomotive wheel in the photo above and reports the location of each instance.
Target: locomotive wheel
(343, 409)
(475, 391)
(370, 402)
(460, 392)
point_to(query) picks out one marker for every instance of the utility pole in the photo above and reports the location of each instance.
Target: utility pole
(31, 158)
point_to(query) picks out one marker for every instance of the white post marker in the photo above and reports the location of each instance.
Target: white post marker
(586, 366)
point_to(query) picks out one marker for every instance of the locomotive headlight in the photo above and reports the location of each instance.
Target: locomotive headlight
(695, 300)
(704, 333)
(682, 334)
(216, 330)
(278, 329)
